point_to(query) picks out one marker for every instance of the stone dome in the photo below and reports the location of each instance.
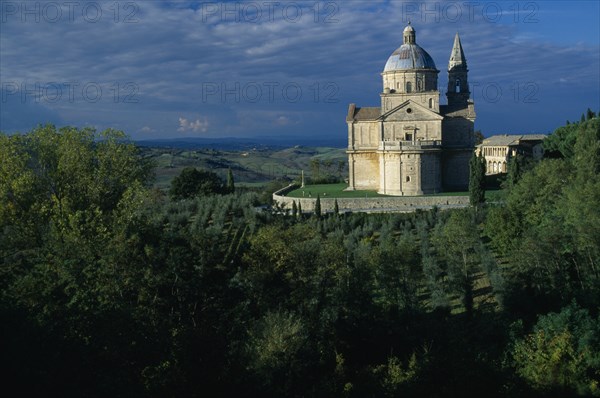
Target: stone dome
(409, 55)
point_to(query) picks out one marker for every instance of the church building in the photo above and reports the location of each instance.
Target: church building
(412, 145)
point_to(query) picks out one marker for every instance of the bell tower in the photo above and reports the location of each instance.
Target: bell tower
(459, 123)
(458, 85)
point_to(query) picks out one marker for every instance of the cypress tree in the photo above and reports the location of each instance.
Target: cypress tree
(230, 183)
(514, 171)
(318, 206)
(336, 208)
(482, 168)
(476, 180)
(299, 209)
(294, 209)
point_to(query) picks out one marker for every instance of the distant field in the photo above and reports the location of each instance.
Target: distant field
(251, 167)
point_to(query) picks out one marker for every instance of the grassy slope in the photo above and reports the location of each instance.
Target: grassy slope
(249, 167)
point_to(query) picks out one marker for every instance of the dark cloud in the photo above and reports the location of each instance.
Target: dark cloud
(20, 112)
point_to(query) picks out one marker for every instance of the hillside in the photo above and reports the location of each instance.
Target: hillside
(252, 166)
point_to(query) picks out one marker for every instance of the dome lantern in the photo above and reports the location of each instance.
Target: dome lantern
(409, 35)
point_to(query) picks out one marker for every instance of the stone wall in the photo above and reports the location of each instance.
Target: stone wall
(364, 170)
(378, 204)
(455, 169)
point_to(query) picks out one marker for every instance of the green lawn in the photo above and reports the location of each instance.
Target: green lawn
(337, 191)
(331, 191)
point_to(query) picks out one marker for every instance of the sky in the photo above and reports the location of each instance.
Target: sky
(172, 69)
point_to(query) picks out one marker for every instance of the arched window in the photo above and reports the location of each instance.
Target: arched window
(408, 87)
(407, 178)
(431, 102)
(457, 85)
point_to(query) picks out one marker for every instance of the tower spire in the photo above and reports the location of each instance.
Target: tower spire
(457, 57)
(458, 84)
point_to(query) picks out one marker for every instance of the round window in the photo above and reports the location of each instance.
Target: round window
(408, 110)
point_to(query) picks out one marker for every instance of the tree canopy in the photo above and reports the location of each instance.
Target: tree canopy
(193, 182)
(111, 288)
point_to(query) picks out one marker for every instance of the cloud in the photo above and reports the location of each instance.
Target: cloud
(197, 126)
(162, 54)
(147, 129)
(282, 121)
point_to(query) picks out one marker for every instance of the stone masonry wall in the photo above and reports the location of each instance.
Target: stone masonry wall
(378, 204)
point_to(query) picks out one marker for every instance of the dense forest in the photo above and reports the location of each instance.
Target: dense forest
(110, 288)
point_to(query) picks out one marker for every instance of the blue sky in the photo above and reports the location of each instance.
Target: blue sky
(168, 69)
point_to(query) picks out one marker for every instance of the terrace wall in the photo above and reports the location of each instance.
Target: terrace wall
(375, 205)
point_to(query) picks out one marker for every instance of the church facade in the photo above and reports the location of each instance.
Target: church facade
(412, 145)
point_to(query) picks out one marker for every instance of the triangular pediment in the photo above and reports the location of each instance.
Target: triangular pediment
(410, 111)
